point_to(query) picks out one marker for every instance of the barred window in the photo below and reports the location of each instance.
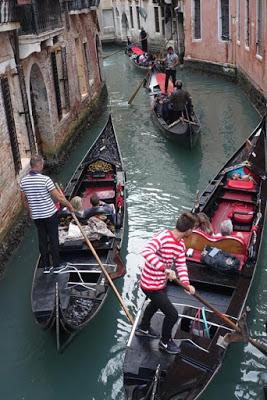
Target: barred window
(156, 15)
(138, 17)
(224, 13)
(11, 123)
(131, 16)
(247, 24)
(196, 20)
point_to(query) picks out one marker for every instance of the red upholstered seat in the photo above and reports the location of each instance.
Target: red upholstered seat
(241, 213)
(137, 51)
(240, 184)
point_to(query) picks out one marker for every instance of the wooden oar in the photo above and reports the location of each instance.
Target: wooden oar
(260, 346)
(138, 87)
(112, 54)
(91, 247)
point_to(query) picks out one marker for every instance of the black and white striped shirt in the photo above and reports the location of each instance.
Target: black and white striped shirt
(36, 187)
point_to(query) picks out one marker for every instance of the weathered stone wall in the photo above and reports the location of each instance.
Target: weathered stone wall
(53, 134)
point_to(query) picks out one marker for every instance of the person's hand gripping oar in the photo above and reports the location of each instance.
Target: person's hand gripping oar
(91, 247)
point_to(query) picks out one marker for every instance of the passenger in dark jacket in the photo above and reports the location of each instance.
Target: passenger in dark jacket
(181, 100)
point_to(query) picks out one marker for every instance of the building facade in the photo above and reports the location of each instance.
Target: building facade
(231, 33)
(157, 17)
(43, 45)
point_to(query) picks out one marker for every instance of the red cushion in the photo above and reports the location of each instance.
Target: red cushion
(137, 51)
(240, 184)
(241, 213)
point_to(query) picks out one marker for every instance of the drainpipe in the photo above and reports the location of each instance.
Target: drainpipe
(26, 110)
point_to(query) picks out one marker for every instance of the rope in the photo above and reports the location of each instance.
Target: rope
(205, 322)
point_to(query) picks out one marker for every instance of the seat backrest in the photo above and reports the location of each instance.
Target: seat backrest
(198, 240)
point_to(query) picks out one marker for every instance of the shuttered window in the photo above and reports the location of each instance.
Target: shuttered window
(196, 19)
(224, 19)
(259, 26)
(11, 123)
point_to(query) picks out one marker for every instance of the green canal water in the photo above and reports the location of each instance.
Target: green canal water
(162, 182)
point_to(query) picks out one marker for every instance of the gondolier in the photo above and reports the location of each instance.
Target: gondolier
(143, 39)
(39, 195)
(171, 61)
(164, 251)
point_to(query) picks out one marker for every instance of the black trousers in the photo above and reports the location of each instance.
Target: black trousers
(47, 229)
(144, 45)
(160, 301)
(170, 73)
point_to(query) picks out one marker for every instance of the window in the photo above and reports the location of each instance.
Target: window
(162, 20)
(138, 17)
(131, 17)
(238, 20)
(224, 16)
(247, 23)
(56, 84)
(11, 123)
(259, 26)
(196, 19)
(64, 79)
(156, 15)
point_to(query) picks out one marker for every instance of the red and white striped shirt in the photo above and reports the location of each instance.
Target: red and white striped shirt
(161, 252)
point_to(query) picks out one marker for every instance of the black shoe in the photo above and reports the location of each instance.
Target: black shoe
(147, 333)
(169, 347)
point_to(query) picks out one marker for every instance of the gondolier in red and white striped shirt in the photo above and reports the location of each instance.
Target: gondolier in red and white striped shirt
(163, 252)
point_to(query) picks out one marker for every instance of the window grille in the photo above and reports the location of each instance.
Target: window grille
(247, 24)
(11, 123)
(131, 17)
(156, 16)
(56, 84)
(225, 19)
(197, 20)
(65, 78)
(138, 17)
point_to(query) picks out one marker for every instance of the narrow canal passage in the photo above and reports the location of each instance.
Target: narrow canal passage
(162, 181)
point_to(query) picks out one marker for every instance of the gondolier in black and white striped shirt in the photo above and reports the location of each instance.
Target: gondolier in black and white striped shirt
(39, 195)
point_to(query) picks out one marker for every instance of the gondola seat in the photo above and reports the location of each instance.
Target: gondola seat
(198, 240)
(240, 184)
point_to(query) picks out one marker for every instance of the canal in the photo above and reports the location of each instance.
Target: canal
(162, 182)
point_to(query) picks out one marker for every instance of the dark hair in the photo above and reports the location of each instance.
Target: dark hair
(36, 159)
(186, 221)
(170, 48)
(94, 199)
(179, 84)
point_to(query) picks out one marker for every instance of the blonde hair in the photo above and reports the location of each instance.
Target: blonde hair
(204, 223)
(76, 203)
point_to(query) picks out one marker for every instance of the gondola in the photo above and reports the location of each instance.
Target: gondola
(184, 130)
(134, 52)
(69, 297)
(150, 374)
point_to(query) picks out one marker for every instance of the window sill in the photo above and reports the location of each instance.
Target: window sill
(246, 48)
(259, 57)
(196, 40)
(25, 167)
(238, 42)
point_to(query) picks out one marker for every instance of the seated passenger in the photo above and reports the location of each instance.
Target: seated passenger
(239, 174)
(76, 203)
(204, 224)
(181, 101)
(99, 206)
(226, 227)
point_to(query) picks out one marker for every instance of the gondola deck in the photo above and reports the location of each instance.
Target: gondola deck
(69, 297)
(148, 372)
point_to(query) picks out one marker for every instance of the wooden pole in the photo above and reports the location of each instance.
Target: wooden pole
(112, 54)
(91, 247)
(260, 346)
(138, 87)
